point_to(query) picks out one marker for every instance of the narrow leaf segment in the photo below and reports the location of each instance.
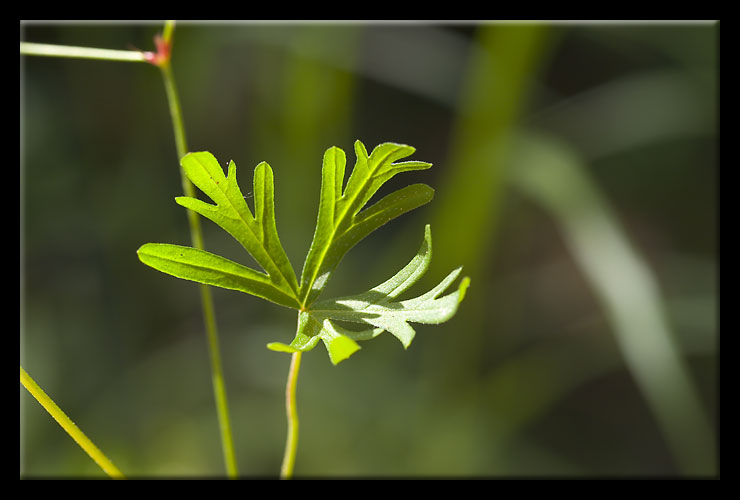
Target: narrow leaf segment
(257, 234)
(341, 224)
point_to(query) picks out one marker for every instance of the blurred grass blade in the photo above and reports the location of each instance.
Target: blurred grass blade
(69, 427)
(555, 177)
(638, 109)
(500, 74)
(502, 67)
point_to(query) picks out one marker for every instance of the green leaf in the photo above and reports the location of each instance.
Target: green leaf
(204, 267)
(377, 309)
(341, 224)
(257, 233)
(343, 221)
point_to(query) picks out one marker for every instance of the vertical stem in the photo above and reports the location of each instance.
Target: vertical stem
(168, 31)
(291, 443)
(66, 423)
(178, 127)
(162, 60)
(196, 235)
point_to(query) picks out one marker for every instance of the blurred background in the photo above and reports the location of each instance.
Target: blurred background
(576, 177)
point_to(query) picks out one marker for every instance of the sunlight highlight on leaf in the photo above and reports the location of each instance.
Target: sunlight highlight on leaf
(376, 309)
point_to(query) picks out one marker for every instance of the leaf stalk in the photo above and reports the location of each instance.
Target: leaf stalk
(291, 442)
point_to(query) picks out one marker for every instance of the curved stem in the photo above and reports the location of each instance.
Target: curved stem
(69, 426)
(196, 235)
(291, 443)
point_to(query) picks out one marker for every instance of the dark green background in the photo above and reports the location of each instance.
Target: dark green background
(527, 380)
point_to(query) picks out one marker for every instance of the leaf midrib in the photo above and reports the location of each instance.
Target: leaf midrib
(269, 282)
(336, 224)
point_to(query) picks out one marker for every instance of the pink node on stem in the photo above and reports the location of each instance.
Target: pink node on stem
(163, 52)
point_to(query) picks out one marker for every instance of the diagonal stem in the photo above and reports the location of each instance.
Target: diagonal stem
(69, 427)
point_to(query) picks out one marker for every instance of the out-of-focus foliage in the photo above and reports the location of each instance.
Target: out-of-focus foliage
(584, 158)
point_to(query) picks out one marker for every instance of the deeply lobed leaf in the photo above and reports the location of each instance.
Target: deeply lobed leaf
(257, 233)
(342, 222)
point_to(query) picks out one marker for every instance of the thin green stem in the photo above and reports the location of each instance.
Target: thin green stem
(162, 60)
(173, 100)
(291, 443)
(168, 31)
(196, 235)
(42, 49)
(69, 426)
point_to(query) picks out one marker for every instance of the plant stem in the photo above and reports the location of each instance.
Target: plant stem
(196, 236)
(162, 60)
(42, 49)
(168, 31)
(291, 443)
(69, 426)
